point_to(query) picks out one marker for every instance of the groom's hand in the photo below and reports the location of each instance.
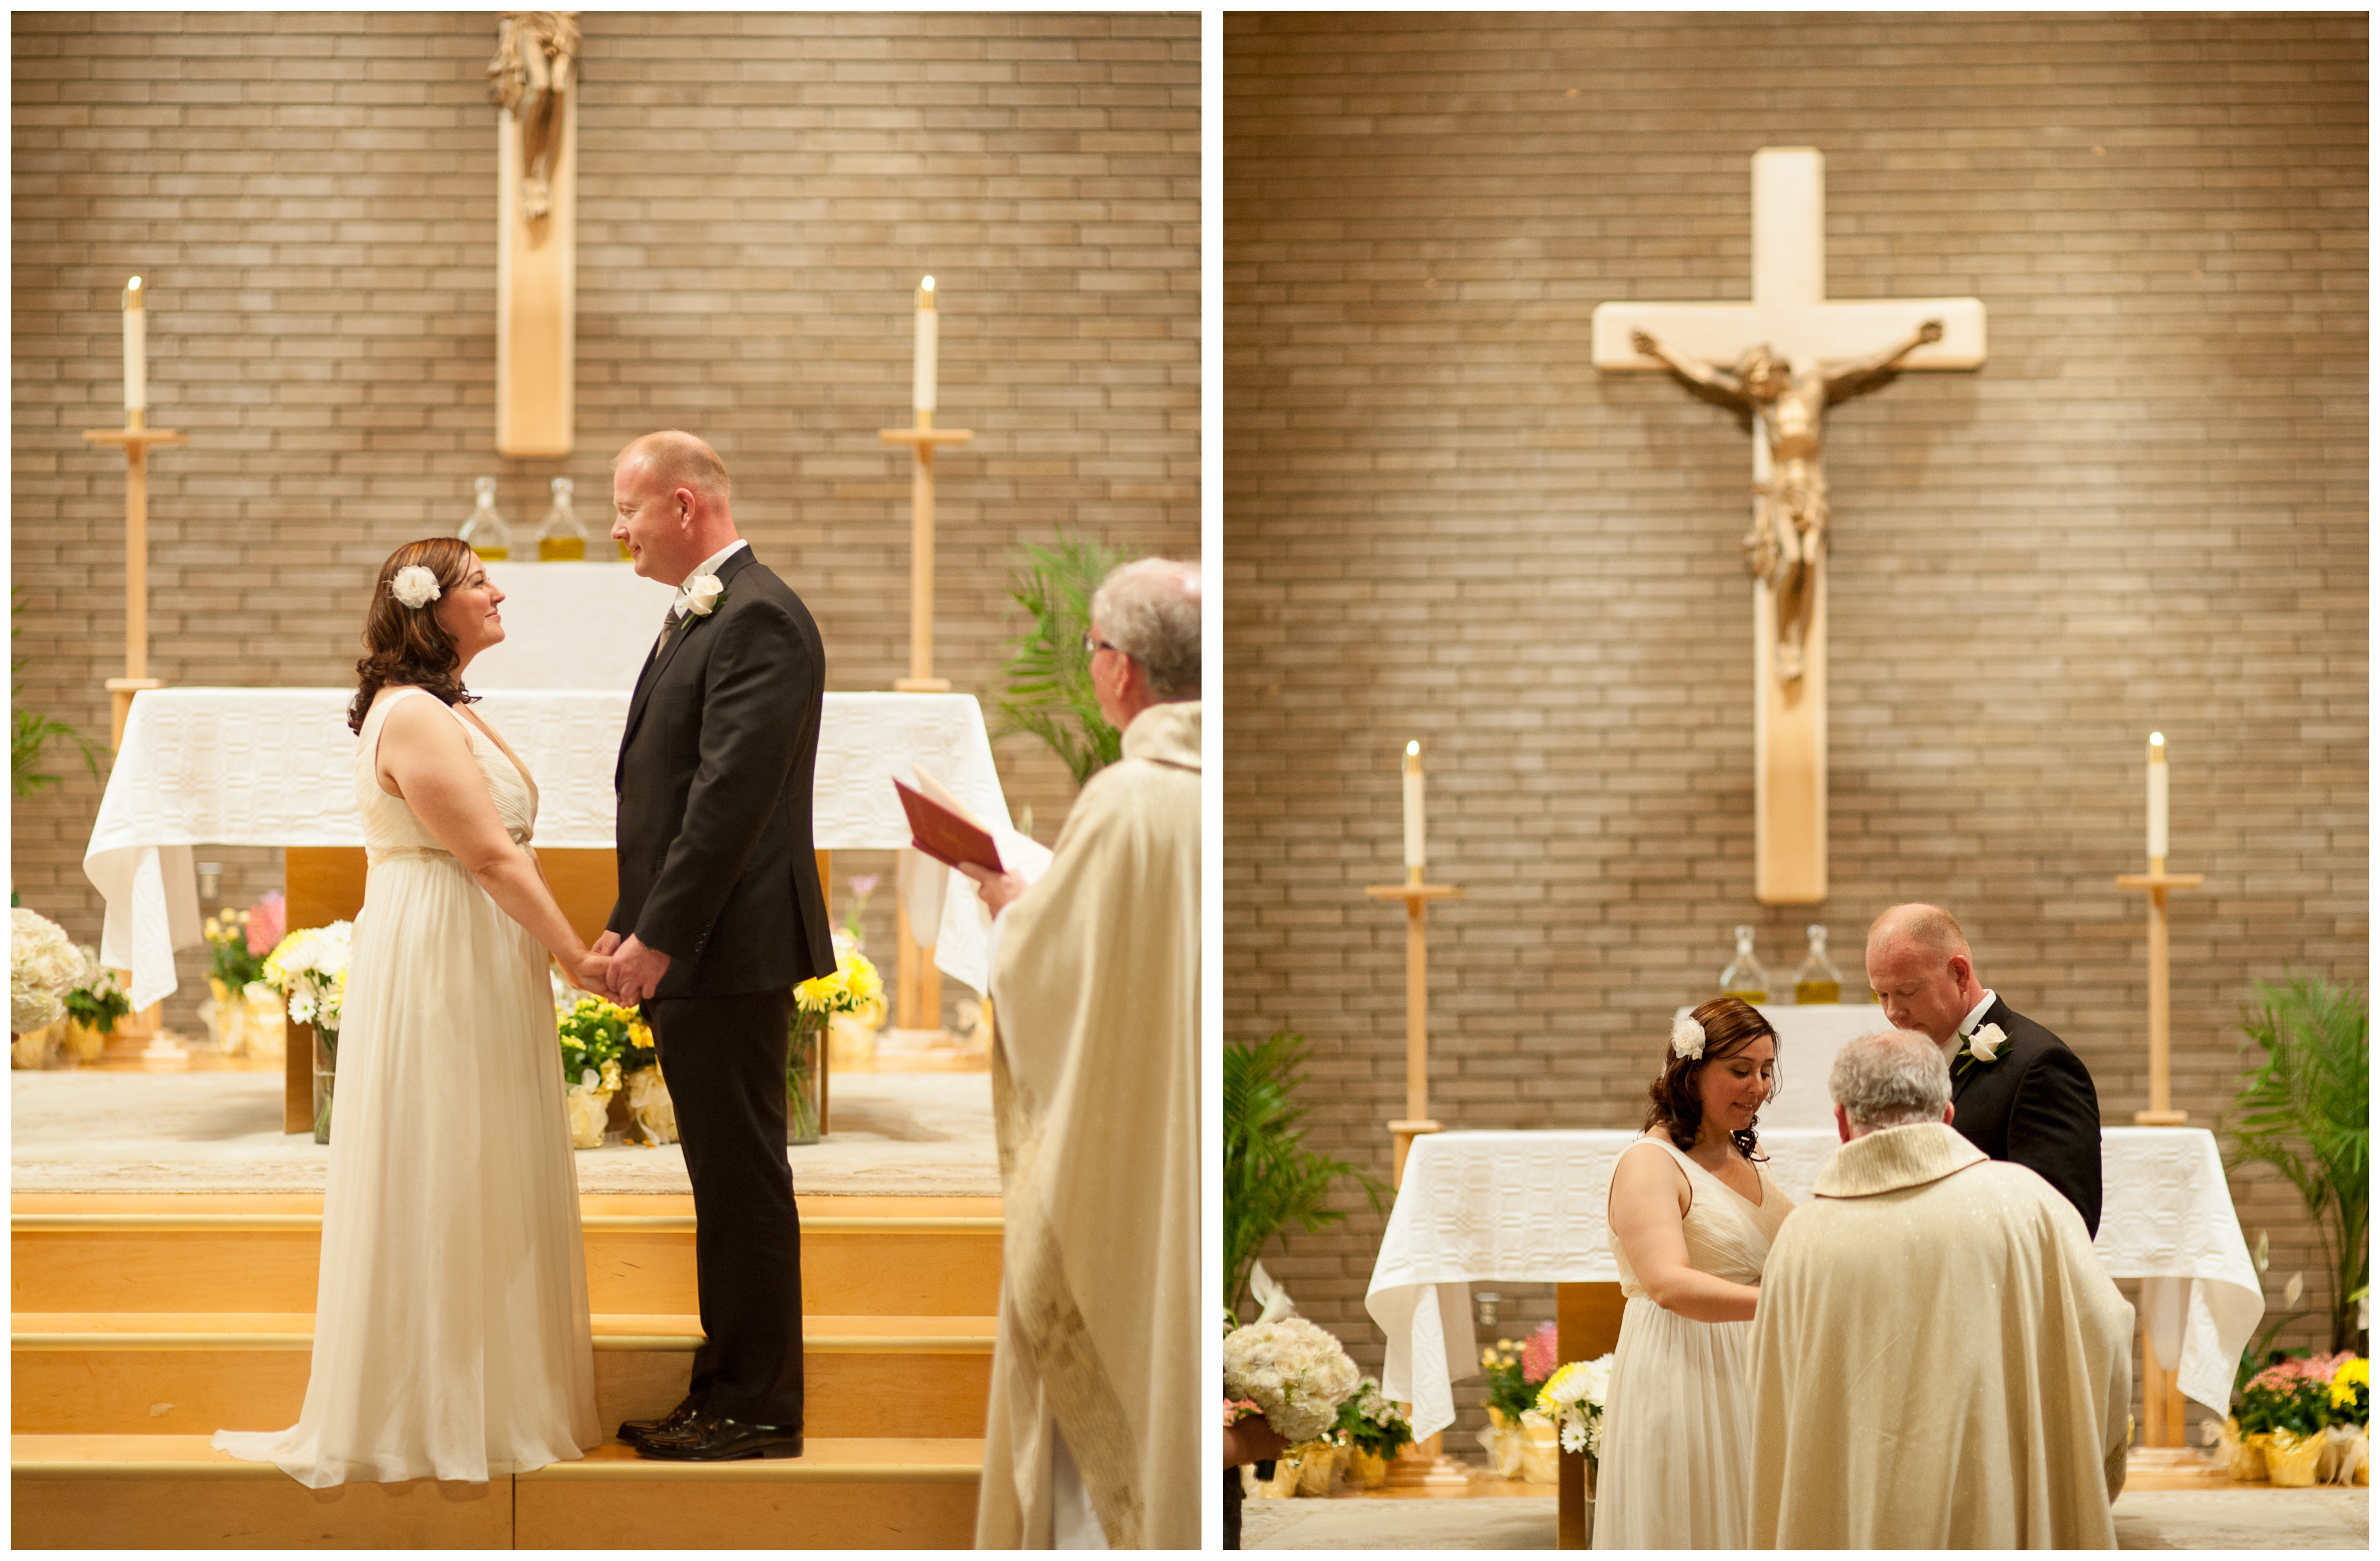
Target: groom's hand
(635, 970)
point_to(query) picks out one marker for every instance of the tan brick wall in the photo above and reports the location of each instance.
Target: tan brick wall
(2146, 511)
(312, 198)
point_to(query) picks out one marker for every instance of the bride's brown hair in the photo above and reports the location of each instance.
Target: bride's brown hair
(1729, 1025)
(405, 644)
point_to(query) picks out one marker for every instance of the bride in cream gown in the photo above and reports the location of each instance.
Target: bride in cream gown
(1691, 1216)
(451, 1335)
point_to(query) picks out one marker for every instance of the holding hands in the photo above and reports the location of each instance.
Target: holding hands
(629, 970)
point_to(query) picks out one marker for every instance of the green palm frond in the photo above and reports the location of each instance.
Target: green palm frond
(2303, 1108)
(1270, 1179)
(31, 732)
(1050, 694)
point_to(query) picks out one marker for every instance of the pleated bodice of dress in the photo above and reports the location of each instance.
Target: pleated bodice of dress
(391, 827)
(1727, 1235)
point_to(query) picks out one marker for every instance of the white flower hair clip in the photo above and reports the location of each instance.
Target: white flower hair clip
(1686, 1036)
(415, 585)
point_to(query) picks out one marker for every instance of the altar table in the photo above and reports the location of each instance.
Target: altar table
(1527, 1207)
(277, 767)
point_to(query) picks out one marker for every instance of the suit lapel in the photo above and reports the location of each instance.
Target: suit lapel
(655, 665)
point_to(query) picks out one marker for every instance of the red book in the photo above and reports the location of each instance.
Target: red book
(945, 834)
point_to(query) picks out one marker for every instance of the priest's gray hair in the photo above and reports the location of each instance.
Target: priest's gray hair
(1890, 1080)
(1149, 609)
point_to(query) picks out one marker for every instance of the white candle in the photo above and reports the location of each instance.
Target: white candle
(921, 385)
(1412, 805)
(2158, 775)
(135, 350)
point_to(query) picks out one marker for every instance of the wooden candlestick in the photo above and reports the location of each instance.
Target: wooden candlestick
(2159, 882)
(1422, 1465)
(1417, 897)
(918, 986)
(136, 440)
(137, 1031)
(922, 441)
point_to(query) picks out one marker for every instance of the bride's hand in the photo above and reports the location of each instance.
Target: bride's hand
(594, 973)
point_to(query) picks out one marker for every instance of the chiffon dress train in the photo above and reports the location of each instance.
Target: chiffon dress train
(451, 1335)
(1676, 1467)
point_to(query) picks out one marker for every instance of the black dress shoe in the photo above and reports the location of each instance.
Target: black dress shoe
(715, 1439)
(688, 1410)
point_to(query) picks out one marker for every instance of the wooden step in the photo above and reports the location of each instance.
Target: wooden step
(87, 1373)
(155, 1491)
(907, 1257)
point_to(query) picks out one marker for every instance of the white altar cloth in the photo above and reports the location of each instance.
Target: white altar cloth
(275, 767)
(1527, 1207)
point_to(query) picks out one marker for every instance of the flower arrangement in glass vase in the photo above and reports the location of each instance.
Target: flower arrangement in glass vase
(1573, 1397)
(852, 988)
(43, 965)
(309, 969)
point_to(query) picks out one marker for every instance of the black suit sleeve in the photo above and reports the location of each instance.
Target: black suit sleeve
(2053, 1128)
(747, 750)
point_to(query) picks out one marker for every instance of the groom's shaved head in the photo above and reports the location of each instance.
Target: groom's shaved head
(1928, 928)
(678, 459)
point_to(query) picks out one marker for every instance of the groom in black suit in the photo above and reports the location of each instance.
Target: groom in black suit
(2021, 1096)
(721, 913)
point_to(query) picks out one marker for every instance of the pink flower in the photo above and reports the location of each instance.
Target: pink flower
(267, 920)
(1540, 1354)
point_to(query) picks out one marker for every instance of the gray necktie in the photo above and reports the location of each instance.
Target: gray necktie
(669, 626)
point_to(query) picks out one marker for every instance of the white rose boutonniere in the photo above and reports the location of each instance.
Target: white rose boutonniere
(1984, 1045)
(702, 594)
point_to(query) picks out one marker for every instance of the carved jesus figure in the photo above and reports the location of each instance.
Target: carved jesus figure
(536, 55)
(1789, 515)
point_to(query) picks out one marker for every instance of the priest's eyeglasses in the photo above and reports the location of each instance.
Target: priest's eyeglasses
(1093, 644)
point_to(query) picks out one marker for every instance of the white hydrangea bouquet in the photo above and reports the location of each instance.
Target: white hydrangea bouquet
(1293, 1371)
(43, 965)
(1574, 1396)
(310, 967)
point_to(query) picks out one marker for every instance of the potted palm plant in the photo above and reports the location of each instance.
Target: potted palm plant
(2303, 1109)
(1050, 694)
(1270, 1179)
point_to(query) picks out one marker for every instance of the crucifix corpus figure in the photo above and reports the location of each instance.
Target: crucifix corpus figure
(1789, 511)
(537, 54)
(534, 78)
(1795, 352)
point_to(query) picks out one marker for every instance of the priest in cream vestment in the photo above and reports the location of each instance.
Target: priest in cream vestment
(1940, 1359)
(1096, 1414)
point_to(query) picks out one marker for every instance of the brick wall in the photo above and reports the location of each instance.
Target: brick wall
(312, 199)
(2146, 511)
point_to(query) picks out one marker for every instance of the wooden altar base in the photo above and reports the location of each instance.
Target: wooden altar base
(139, 1324)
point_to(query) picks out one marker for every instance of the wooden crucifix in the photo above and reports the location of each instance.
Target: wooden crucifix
(1791, 353)
(534, 78)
